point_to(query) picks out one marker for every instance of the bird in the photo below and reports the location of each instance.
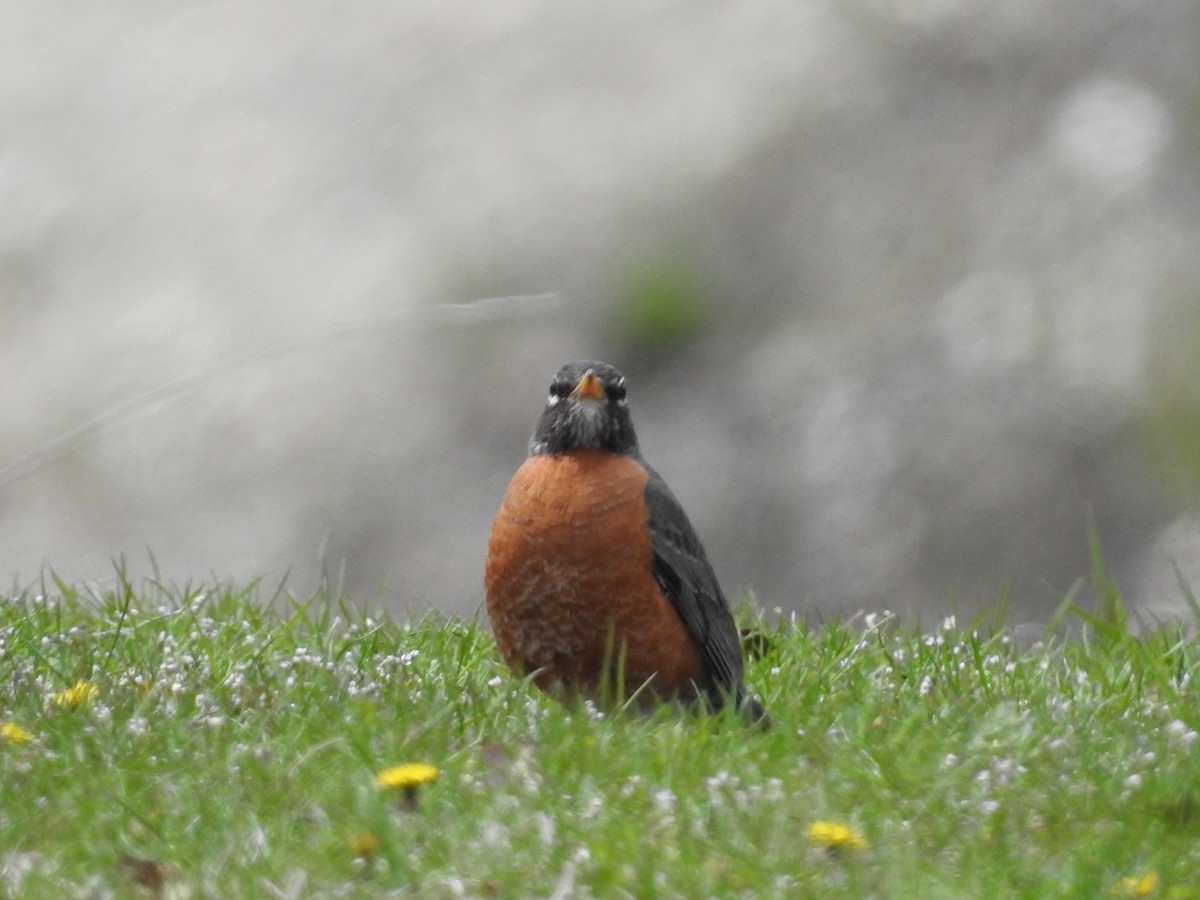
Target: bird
(596, 584)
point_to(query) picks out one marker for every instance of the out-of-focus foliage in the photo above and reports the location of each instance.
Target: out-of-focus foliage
(897, 286)
(1170, 429)
(660, 308)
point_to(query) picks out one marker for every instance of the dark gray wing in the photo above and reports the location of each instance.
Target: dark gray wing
(685, 576)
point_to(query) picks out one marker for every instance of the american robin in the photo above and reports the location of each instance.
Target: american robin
(596, 583)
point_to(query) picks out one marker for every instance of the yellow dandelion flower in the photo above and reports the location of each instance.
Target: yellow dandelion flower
(1136, 885)
(406, 777)
(79, 694)
(12, 733)
(836, 837)
(364, 844)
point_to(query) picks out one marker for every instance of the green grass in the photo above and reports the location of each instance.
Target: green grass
(234, 750)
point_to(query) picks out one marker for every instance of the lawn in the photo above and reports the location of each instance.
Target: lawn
(220, 742)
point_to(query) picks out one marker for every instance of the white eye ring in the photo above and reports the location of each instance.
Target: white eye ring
(553, 400)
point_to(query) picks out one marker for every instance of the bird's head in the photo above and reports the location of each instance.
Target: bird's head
(585, 411)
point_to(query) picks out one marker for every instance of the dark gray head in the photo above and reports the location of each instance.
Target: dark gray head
(585, 411)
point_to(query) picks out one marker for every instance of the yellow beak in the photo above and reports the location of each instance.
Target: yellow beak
(589, 388)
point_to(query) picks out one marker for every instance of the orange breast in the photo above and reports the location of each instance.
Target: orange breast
(569, 581)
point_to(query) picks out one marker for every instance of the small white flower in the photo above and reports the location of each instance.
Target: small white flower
(1179, 735)
(493, 834)
(546, 828)
(664, 800)
(721, 779)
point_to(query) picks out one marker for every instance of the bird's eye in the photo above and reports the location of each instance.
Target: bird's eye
(558, 390)
(616, 392)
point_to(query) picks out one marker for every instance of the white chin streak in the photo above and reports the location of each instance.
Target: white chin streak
(587, 419)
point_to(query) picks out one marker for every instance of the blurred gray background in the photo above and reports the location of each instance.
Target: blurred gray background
(907, 291)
